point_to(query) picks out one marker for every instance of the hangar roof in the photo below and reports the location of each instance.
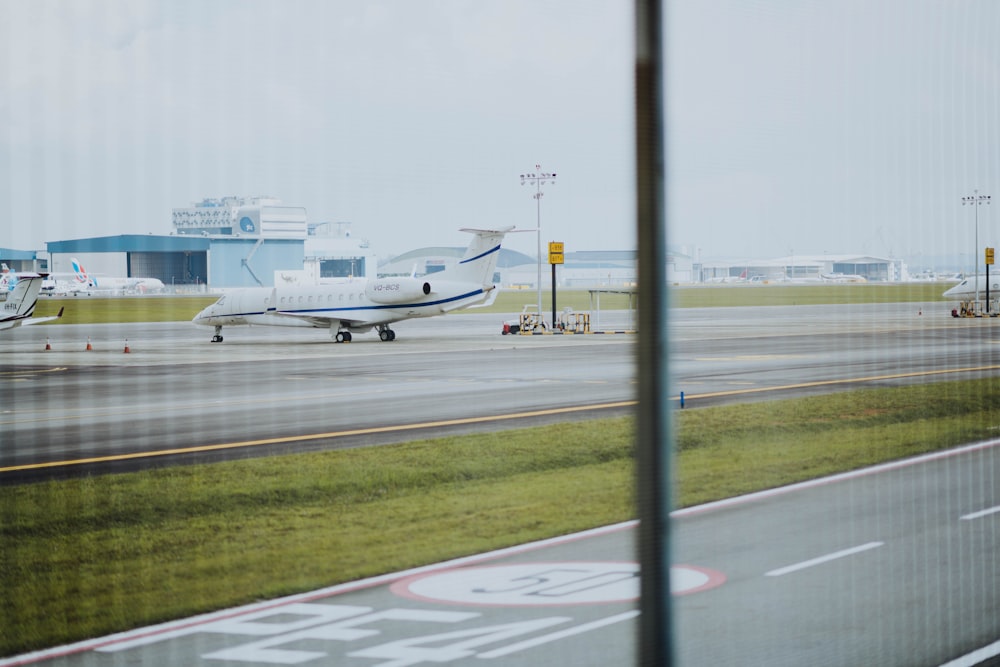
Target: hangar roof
(131, 243)
(25, 255)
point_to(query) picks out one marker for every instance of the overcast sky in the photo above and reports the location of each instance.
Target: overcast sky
(794, 126)
(843, 126)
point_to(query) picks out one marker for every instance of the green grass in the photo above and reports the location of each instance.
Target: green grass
(88, 557)
(804, 294)
(81, 310)
(738, 449)
(96, 310)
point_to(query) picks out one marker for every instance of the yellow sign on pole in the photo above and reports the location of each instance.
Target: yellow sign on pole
(556, 252)
(989, 255)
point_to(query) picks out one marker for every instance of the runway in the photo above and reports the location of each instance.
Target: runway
(176, 398)
(895, 566)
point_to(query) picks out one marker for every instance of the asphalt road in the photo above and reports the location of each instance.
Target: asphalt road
(894, 566)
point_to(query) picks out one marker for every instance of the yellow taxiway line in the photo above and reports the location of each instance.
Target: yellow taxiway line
(313, 436)
(469, 420)
(823, 383)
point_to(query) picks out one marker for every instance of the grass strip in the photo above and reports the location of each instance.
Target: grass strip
(91, 556)
(81, 310)
(88, 557)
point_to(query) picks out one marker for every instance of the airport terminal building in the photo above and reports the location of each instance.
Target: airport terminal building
(799, 268)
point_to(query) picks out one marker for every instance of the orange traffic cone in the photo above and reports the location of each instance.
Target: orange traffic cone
(126, 346)
(89, 346)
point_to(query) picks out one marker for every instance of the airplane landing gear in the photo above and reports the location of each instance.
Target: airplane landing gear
(217, 338)
(343, 337)
(385, 333)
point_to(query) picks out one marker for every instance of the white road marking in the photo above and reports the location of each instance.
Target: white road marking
(832, 479)
(976, 657)
(529, 584)
(981, 513)
(569, 632)
(823, 559)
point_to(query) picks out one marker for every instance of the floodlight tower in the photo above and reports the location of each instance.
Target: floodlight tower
(539, 178)
(976, 200)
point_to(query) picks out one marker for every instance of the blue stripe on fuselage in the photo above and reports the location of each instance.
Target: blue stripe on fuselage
(388, 306)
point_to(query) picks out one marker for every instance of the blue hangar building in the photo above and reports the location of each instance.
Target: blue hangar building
(215, 243)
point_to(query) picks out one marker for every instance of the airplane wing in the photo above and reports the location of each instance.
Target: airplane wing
(320, 320)
(39, 320)
(12, 322)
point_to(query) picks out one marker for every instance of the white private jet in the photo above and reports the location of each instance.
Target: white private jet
(21, 301)
(349, 308)
(842, 278)
(966, 289)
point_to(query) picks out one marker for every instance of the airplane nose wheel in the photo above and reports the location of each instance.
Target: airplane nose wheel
(217, 338)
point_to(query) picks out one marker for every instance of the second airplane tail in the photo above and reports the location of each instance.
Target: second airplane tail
(479, 262)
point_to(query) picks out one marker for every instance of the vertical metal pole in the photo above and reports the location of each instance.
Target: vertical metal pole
(975, 255)
(976, 200)
(654, 416)
(538, 281)
(538, 179)
(553, 296)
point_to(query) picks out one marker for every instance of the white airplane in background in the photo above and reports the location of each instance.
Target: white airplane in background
(348, 308)
(80, 282)
(20, 303)
(966, 289)
(843, 278)
(8, 279)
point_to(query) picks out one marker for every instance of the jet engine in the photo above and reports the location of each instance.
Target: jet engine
(396, 290)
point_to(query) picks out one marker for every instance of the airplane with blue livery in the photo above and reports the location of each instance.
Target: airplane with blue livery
(354, 308)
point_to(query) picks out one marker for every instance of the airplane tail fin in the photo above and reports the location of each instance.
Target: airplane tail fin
(479, 262)
(8, 280)
(81, 273)
(20, 303)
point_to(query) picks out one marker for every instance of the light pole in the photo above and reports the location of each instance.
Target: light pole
(539, 178)
(976, 200)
